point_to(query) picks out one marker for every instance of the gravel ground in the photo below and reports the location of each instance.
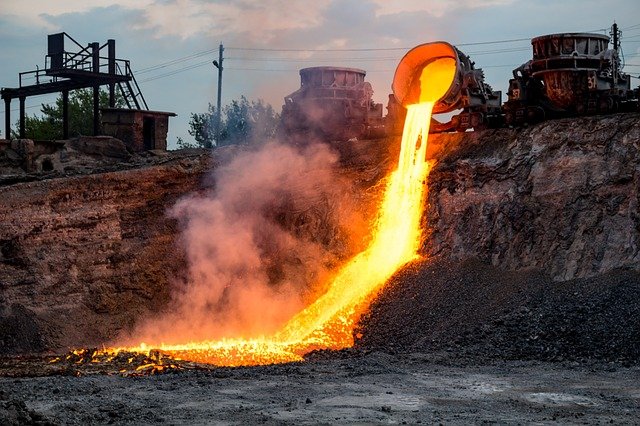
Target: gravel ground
(355, 388)
(445, 342)
(475, 311)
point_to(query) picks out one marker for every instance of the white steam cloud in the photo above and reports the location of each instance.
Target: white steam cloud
(260, 244)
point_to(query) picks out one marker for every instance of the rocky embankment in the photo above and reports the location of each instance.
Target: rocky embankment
(83, 256)
(550, 214)
(562, 196)
(533, 249)
(86, 252)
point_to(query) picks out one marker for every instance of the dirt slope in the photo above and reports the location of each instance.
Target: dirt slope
(472, 310)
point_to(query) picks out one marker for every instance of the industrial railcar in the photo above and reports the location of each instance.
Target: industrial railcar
(570, 74)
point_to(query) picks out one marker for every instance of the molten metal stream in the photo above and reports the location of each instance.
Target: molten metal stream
(328, 323)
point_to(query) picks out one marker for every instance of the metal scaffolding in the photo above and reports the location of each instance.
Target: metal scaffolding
(70, 70)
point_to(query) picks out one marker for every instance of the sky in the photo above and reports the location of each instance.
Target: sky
(171, 43)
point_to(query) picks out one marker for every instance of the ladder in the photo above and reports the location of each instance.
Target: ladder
(131, 92)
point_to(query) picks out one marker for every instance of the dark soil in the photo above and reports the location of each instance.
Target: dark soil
(472, 310)
(361, 389)
(455, 343)
(19, 330)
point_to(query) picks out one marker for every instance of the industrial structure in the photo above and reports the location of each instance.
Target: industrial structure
(478, 103)
(333, 103)
(70, 66)
(140, 130)
(570, 74)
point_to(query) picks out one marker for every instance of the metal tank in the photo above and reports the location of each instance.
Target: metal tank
(572, 65)
(570, 74)
(468, 92)
(332, 103)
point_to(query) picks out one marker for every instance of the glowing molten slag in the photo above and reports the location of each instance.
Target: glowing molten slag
(436, 79)
(328, 323)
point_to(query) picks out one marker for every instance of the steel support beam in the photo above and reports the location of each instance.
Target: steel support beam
(111, 58)
(95, 53)
(65, 114)
(7, 118)
(95, 57)
(112, 95)
(96, 110)
(22, 117)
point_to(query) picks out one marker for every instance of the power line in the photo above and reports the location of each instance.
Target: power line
(264, 49)
(18, 109)
(387, 58)
(261, 69)
(26, 107)
(201, 64)
(174, 61)
(282, 50)
(179, 70)
(500, 66)
(368, 71)
(478, 43)
(289, 69)
(306, 60)
(210, 51)
(372, 49)
(491, 52)
(259, 49)
(363, 59)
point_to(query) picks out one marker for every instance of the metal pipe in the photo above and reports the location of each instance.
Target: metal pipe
(7, 118)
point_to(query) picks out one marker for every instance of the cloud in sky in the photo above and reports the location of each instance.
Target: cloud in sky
(38, 12)
(185, 18)
(257, 19)
(435, 7)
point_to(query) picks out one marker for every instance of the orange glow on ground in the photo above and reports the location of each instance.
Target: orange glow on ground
(328, 323)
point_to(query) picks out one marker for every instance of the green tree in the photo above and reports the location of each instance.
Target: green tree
(48, 126)
(202, 127)
(182, 144)
(242, 121)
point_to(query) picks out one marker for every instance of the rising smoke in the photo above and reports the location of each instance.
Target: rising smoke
(260, 244)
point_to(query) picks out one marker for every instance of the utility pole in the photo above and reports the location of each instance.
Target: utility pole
(616, 45)
(218, 64)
